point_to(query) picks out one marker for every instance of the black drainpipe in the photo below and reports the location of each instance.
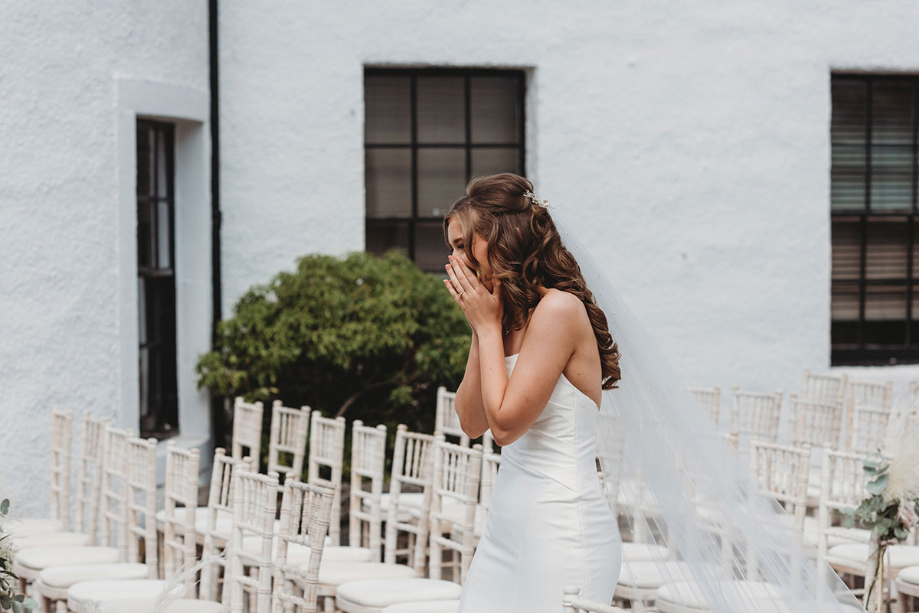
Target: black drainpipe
(218, 416)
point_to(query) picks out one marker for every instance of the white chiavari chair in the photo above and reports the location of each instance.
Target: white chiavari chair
(823, 388)
(289, 428)
(867, 429)
(29, 562)
(218, 520)
(491, 463)
(247, 430)
(872, 395)
(815, 423)
(446, 420)
(409, 504)
(710, 400)
(34, 533)
(906, 586)
(255, 503)
(365, 518)
(326, 455)
(781, 472)
(305, 513)
(843, 486)
(59, 482)
(457, 471)
(178, 546)
(139, 507)
(755, 415)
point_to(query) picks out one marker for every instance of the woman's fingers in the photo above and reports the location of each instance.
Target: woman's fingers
(449, 286)
(460, 274)
(453, 281)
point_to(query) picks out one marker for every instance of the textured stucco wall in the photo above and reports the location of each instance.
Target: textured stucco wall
(691, 138)
(59, 253)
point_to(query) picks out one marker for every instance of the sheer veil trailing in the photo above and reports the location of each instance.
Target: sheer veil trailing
(691, 504)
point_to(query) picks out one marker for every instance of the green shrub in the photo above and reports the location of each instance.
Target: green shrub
(369, 337)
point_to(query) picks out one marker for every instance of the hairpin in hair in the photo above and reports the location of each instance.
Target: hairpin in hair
(535, 200)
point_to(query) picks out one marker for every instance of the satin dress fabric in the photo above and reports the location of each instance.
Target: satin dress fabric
(549, 524)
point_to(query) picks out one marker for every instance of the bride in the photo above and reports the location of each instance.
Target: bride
(541, 361)
(540, 357)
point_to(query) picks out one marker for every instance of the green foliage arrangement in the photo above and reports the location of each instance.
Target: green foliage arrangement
(370, 336)
(10, 599)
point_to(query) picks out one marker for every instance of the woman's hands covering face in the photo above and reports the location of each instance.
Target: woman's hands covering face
(483, 308)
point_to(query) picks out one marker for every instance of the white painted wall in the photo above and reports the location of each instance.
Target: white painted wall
(692, 139)
(63, 247)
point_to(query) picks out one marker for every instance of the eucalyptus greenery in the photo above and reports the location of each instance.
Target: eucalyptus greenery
(10, 599)
(369, 335)
(876, 512)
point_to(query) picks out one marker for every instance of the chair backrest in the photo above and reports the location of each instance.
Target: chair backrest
(89, 475)
(781, 472)
(289, 428)
(247, 430)
(368, 459)
(815, 423)
(181, 488)
(141, 502)
(327, 450)
(823, 388)
(446, 421)
(219, 502)
(255, 503)
(412, 471)
(867, 429)
(867, 395)
(61, 453)
(113, 496)
(491, 462)
(710, 399)
(306, 509)
(842, 485)
(755, 415)
(457, 472)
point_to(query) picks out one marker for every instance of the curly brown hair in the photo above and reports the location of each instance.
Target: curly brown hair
(525, 251)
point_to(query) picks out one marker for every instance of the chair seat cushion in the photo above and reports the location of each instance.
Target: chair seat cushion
(50, 539)
(33, 525)
(185, 605)
(898, 556)
(65, 576)
(910, 574)
(39, 558)
(223, 524)
(336, 573)
(346, 554)
(384, 592)
(642, 552)
(82, 594)
(690, 595)
(430, 606)
(652, 575)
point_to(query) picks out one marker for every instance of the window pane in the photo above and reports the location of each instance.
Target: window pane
(145, 249)
(847, 189)
(886, 303)
(849, 99)
(494, 160)
(891, 178)
(441, 180)
(892, 114)
(845, 301)
(382, 236)
(430, 249)
(846, 250)
(162, 186)
(388, 180)
(885, 256)
(144, 162)
(495, 110)
(163, 236)
(387, 106)
(441, 110)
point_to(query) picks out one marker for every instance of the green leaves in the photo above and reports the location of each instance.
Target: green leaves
(4, 507)
(370, 334)
(9, 581)
(877, 486)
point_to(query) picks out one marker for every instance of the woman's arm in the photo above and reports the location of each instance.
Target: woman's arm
(469, 405)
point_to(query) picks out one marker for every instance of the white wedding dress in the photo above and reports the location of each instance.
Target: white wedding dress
(549, 524)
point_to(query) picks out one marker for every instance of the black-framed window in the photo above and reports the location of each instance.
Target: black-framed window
(156, 279)
(426, 132)
(873, 211)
